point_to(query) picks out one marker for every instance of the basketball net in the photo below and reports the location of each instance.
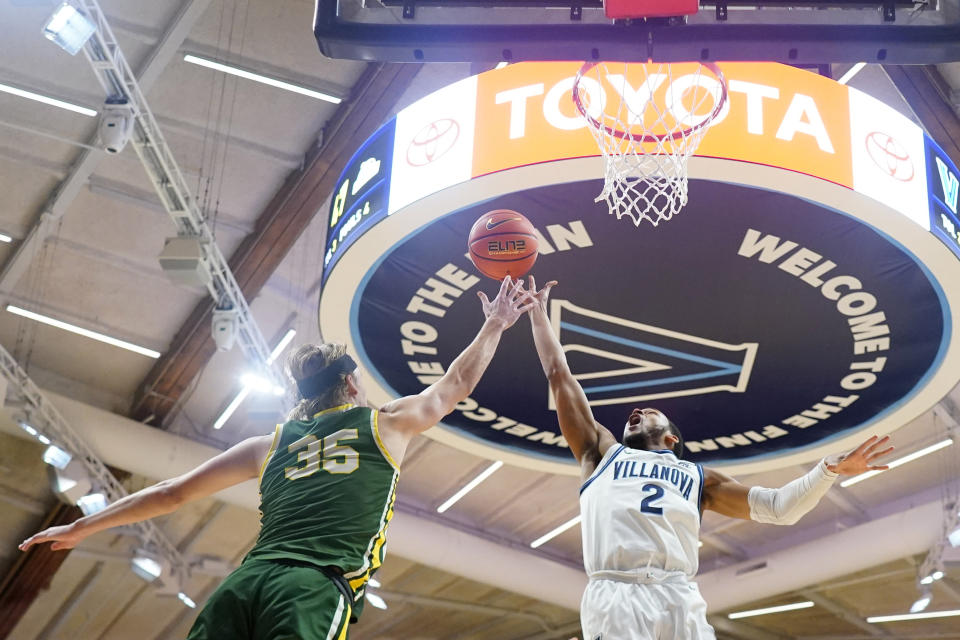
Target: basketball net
(648, 131)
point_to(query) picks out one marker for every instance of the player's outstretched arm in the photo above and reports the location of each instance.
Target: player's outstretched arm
(235, 465)
(789, 503)
(587, 439)
(413, 414)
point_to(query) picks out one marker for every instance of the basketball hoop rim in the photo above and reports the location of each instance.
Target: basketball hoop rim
(623, 135)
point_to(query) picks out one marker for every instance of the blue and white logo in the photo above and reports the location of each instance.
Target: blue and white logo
(759, 322)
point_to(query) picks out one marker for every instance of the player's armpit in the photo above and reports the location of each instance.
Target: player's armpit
(725, 495)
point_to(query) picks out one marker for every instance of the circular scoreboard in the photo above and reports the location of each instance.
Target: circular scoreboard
(804, 296)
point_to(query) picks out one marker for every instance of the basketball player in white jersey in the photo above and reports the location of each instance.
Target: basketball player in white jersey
(641, 507)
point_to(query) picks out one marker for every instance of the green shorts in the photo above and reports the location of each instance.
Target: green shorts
(266, 600)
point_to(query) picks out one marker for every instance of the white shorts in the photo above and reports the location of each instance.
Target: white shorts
(644, 610)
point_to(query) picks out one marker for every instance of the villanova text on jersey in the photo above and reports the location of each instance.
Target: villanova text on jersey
(640, 510)
(679, 478)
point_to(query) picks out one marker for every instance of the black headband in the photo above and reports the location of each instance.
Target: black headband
(320, 382)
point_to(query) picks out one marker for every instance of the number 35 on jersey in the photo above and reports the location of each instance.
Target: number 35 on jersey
(329, 454)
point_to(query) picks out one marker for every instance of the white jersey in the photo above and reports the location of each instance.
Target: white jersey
(641, 509)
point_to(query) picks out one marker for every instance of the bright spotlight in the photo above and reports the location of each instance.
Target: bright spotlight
(57, 457)
(92, 503)
(259, 383)
(69, 28)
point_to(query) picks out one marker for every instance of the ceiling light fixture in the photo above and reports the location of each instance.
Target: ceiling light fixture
(762, 612)
(262, 79)
(470, 486)
(57, 457)
(922, 603)
(550, 535)
(242, 395)
(255, 382)
(92, 503)
(852, 71)
(146, 566)
(913, 616)
(69, 28)
(93, 335)
(281, 346)
(899, 461)
(376, 600)
(954, 537)
(30, 430)
(53, 102)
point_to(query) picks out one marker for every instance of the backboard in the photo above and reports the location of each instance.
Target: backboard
(805, 33)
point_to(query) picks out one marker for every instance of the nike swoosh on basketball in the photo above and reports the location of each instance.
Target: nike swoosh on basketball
(493, 225)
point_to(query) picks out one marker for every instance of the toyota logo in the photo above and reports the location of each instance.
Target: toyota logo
(432, 142)
(890, 156)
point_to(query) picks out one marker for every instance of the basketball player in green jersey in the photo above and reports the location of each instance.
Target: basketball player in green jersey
(328, 479)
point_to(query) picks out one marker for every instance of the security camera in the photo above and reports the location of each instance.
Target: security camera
(116, 125)
(224, 328)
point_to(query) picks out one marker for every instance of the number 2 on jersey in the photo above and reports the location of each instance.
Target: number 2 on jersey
(647, 504)
(329, 453)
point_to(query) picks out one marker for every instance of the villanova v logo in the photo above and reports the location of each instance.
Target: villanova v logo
(619, 361)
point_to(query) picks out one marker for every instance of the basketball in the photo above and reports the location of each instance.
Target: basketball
(502, 243)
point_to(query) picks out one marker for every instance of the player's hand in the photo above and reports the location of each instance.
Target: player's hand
(511, 303)
(63, 537)
(862, 458)
(539, 298)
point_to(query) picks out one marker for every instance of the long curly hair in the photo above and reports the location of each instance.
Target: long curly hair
(306, 361)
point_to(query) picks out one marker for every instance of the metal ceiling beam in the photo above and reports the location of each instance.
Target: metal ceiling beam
(264, 68)
(198, 132)
(72, 318)
(743, 631)
(845, 614)
(561, 633)
(148, 36)
(951, 587)
(88, 159)
(54, 169)
(115, 261)
(901, 635)
(927, 93)
(121, 86)
(169, 124)
(397, 619)
(885, 575)
(449, 520)
(148, 200)
(22, 501)
(848, 504)
(723, 544)
(284, 219)
(33, 570)
(65, 610)
(121, 611)
(200, 598)
(433, 602)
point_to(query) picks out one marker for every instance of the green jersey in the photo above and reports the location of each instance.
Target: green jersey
(327, 489)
